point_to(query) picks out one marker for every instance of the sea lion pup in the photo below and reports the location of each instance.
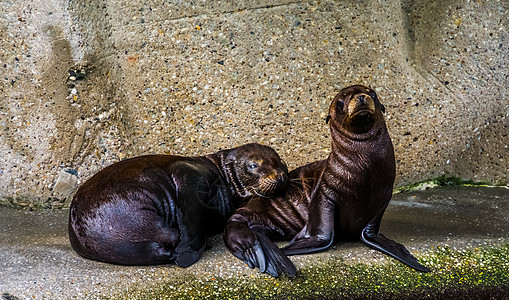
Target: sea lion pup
(340, 198)
(158, 208)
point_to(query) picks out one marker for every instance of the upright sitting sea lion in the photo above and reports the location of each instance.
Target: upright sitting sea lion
(158, 208)
(340, 198)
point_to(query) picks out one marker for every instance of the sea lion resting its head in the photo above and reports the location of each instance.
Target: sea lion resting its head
(158, 208)
(340, 198)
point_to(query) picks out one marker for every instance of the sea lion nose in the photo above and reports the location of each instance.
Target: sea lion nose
(361, 99)
(280, 177)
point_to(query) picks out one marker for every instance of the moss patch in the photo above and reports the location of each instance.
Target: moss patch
(444, 180)
(31, 203)
(441, 181)
(477, 273)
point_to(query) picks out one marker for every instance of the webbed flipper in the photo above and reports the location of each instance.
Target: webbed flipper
(304, 243)
(392, 248)
(276, 262)
(254, 247)
(372, 237)
(193, 238)
(318, 233)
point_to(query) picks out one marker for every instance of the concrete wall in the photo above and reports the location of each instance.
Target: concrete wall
(87, 83)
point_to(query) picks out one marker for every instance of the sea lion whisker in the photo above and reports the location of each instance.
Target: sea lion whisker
(300, 193)
(302, 179)
(259, 194)
(254, 190)
(300, 185)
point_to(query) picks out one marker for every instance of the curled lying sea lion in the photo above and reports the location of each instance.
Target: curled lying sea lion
(340, 198)
(158, 208)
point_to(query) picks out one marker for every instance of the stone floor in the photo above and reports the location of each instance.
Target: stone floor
(37, 261)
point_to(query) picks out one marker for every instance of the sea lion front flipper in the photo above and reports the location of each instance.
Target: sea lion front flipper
(318, 233)
(372, 237)
(394, 249)
(303, 243)
(276, 261)
(192, 239)
(253, 247)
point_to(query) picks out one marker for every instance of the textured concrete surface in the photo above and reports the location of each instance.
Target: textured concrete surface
(87, 83)
(38, 262)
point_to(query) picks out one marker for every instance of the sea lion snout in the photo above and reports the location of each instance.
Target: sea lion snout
(279, 177)
(273, 183)
(362, 105)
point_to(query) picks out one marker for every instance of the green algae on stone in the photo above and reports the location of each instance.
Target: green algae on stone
(441, 181)
(22, 202)
(477, 271)
(445, 180)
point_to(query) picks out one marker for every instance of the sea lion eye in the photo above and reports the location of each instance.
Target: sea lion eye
(340, 104)
(252, 166)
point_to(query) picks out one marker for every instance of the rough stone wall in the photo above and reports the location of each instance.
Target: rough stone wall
(87, 83)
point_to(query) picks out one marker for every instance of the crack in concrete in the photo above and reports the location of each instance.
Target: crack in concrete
(229, 12)
(214, 14)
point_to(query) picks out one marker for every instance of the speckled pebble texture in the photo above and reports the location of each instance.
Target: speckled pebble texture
(87, 83)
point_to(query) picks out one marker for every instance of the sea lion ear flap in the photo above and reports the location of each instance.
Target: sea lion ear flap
(327, 119)
(374, 96)
(231, 157)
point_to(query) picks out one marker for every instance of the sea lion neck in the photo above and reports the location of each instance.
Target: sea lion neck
(348, 147)
(219, 160)
(215, 158)
(341, 135)
(228, 171)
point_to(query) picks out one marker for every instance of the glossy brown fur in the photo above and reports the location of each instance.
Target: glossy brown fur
(359, 173)
(283, 216)
(351, 165)
(341, 198)
(157, 208)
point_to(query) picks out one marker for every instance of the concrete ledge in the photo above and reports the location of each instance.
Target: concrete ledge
(461, 233)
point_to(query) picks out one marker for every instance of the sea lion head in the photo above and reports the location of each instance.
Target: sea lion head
(255, 169)
(356, 109)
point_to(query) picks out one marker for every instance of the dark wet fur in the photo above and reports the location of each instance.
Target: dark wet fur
(159, 208)
(340, 198)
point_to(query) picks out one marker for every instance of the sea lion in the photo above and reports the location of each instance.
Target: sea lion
(340, 198)
(158, 208)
